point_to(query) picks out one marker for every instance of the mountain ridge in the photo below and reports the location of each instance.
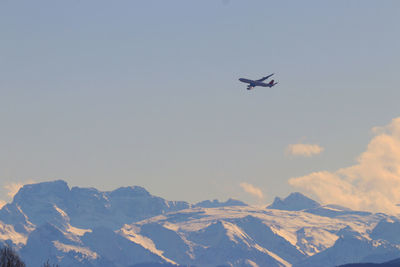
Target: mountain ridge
(129, 226)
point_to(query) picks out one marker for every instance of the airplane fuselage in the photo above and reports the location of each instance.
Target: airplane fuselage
(260, 82)
(253, 83)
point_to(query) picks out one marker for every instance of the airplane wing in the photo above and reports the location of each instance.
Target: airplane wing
(264, 78)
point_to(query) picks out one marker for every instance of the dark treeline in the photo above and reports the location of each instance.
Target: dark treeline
(9, 258)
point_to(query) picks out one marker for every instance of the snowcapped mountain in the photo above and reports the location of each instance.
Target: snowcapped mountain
(130, 227)
(85, 207)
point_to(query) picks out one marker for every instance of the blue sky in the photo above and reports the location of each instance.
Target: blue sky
(110, 94)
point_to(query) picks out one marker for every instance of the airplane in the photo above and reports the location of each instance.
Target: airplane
(254, 83)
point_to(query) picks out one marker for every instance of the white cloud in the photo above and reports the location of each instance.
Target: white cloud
(305, 150)
(13, 188)
(252, 190)
(2, 203)
(372, 184)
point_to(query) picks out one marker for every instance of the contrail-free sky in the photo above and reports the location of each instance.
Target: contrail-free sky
(116, 93)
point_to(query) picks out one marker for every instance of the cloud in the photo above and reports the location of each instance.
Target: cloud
(372, 184)
(252, 190)
(305, 150)
(13, 188)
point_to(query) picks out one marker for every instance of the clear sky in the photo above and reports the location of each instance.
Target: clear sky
(116, 93)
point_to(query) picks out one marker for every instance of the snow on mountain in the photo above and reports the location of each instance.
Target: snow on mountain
(223, 242)
(312, 240)
(334, 210)
(13, 215)
(47, 242)
(352, 246)
(118, 249)
(263, 235)
(132, 234)
(86, 207)
(130, 227)
(8, 233)
(292, 236)
(173, 244)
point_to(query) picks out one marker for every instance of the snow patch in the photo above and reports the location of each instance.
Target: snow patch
(314, 240)
(251, 263)
(77, 231)
(62, 213)
(86, 252)
(130, 233)
(7, 232)
(235, 234)
(273, 255)
(288, 235)
(171, 226)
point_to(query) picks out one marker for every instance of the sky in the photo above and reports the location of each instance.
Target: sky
(116, 93)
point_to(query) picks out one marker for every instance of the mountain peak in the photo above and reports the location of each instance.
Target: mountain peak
(57, 188)
(295, 201)
(130, 191)
(216, 203)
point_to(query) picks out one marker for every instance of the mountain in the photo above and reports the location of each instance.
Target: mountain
(334, 211)
(47, 242)
(387, 229)
(215, 203)
(352, 246)
(126, 227)
(84, 207)
(294, 202)
(392, 263)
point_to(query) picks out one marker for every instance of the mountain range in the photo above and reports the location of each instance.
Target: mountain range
(85, 227)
